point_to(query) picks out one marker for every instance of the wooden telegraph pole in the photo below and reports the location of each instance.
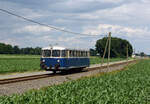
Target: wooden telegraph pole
(104, 52)
(109, 50)
(127, 53)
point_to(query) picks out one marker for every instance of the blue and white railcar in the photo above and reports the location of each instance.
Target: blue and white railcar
(59, 58)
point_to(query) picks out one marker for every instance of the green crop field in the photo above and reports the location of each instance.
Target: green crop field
(8, 65)
(97, 60)
(130, 86)
(18, 56)
(23, 63)
(19, 63)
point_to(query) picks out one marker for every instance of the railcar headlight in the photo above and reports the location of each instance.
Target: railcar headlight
(58, 60)
(43, 60)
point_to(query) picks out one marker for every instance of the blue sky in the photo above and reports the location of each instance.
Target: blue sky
(128, 19)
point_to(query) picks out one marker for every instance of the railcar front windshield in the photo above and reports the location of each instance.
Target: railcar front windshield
(56, 53)
(46, 53)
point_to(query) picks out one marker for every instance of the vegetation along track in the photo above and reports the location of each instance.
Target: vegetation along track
(33, 77)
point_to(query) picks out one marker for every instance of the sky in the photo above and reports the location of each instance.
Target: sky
(127, 19)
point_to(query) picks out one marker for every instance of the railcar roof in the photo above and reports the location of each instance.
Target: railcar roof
(54, 48)
(61, 48)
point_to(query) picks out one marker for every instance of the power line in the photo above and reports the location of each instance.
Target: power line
(50, 26)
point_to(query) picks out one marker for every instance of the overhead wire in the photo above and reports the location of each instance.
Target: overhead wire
(46, 25)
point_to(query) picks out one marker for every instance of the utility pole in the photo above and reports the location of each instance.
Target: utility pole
(134, 51)
(109, 50)
(127, 53)
(104, 52)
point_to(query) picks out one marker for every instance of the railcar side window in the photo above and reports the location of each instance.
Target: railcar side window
(71, 53)
(86, 54)
(78, 54)
(56, 53)
(46, 53)
(74, 55)
(64, 53)
(82, 54)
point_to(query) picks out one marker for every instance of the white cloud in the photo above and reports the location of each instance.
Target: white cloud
(33, 29)
(9, 41)
(134, 13)
(130, 18)
(117, 30)
(111, 1)
(29, 13)
(100, 1)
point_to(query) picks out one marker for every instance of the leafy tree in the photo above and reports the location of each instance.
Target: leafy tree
(2, 46)
(142, 54)
(37, 50)
(16, 50)
(118, 47)
(9, 49)
(6, 49)
(93, 52)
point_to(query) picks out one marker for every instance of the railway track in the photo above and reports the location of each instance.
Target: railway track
(33, 77)
(19, 79)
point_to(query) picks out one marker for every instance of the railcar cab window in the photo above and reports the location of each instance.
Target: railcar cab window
(46, 53)
(56, 53)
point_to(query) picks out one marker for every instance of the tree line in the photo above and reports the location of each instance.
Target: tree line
(9, 49)
(118, 48)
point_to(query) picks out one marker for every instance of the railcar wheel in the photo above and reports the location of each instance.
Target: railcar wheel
(80, 69)
(42, 65)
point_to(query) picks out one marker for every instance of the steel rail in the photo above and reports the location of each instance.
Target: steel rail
(25, 78)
